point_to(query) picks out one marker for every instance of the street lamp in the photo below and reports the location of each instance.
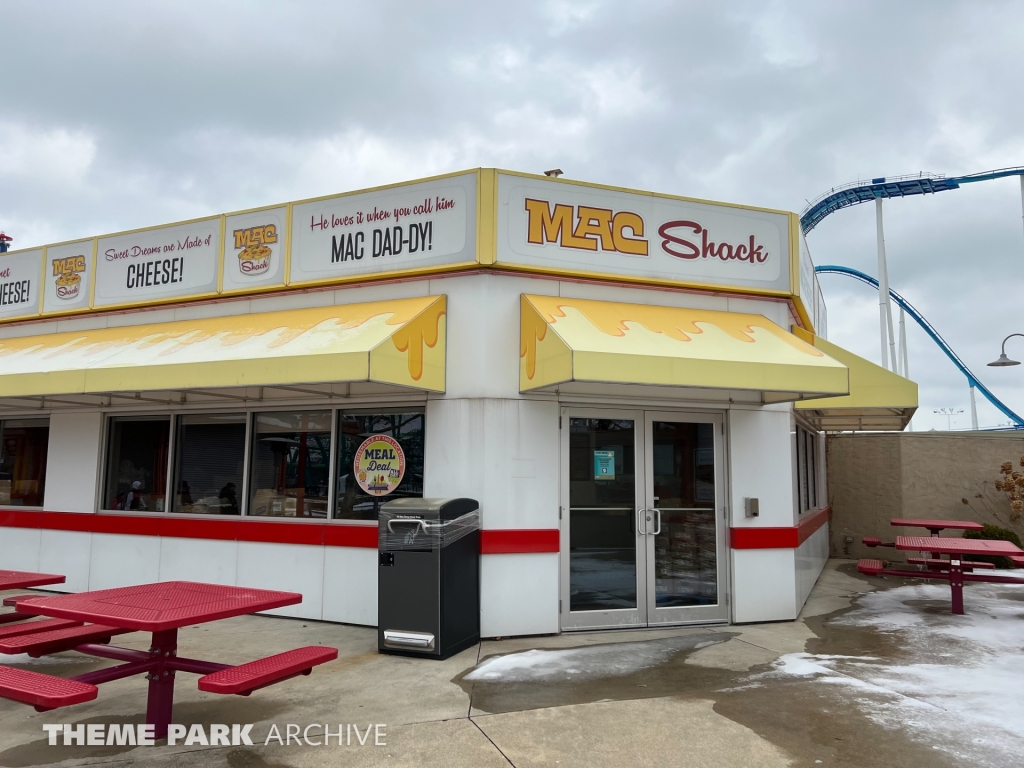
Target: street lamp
(1003, 359)
(949, 413)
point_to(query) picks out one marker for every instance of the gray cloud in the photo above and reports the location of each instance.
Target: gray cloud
(119, 114)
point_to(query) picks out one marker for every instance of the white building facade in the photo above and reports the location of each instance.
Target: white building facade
(633, 386)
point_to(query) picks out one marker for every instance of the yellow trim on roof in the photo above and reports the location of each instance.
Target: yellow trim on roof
(563, 340)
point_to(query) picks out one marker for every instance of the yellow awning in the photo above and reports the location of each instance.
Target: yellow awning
(878, 399)
(577, 340)
(400, 342)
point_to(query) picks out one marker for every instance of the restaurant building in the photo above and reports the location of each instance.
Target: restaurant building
(634, 386)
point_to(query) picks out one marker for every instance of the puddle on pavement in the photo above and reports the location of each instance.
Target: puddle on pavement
(817, 724)
(585, 674)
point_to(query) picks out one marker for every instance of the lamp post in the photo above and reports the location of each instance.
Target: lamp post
(1003, 360)
(948, 413)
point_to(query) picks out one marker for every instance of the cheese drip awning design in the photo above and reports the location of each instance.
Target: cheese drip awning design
(578, 340)
(878, 399)
(399, 342)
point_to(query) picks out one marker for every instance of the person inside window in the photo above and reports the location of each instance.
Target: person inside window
(134, 498)
(186, 494)
(228, 500)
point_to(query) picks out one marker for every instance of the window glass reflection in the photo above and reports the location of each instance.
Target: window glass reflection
(407, 428)
(290, 457)
(602, 521)
(686, 548)
(209, 462)
(23, 445)
(137, 464)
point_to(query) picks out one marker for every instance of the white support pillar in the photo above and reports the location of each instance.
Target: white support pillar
(903, 369)
(974, 410)
(1022, 198)
(904, 356)
(884, 307)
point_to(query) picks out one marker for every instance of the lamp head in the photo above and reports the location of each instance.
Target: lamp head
(1003, 361)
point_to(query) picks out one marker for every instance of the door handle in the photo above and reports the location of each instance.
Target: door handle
(646, 516)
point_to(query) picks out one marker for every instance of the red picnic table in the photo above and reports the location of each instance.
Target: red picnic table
(26, 579)
(956, 569)
(23, 580)
(934, 526)
(161, 609)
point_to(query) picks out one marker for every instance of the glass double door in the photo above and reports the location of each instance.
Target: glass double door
(643, 507)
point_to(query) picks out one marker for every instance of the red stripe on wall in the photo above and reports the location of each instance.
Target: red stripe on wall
(237, 529)
(779, 538)
(495, 542)
(351, 536)
(518, 541)
(812, 522)
(10, 518)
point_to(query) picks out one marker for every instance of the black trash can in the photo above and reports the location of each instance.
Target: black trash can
(428, 577)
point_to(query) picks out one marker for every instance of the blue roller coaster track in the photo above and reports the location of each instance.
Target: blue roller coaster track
(972, 380)
(858, 192)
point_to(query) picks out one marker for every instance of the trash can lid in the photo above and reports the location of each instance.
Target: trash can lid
(429, 509)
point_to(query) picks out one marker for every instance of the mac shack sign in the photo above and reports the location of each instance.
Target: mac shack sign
(580, 228)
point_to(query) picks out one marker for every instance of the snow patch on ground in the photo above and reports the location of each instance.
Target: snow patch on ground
(586, 663)
(958, 683)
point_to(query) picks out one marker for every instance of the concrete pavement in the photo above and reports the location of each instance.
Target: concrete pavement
(687, 697)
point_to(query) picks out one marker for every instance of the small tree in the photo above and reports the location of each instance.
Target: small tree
(1012, 484)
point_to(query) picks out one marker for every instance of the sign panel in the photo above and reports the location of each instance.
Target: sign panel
(19, 283)
(379, 465)
(417, 225)
(254, 249)
(583, 229)
(155, 264)
(67, 279)
(604, 465)
(807, 276)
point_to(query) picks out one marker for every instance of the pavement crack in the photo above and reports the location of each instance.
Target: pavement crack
(500, 752)
(472, 687)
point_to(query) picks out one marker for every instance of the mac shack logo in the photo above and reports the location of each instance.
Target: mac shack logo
(253, 246)
(590, 228)
(68, 273)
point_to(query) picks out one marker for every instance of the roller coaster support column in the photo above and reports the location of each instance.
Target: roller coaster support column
(1022, 197)
(974, 411)
(884, 308)
(904, 370)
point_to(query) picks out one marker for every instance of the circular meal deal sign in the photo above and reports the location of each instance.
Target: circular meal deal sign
(379, 465)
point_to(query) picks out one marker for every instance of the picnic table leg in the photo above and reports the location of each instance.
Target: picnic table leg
(956, 583)
(161, 682)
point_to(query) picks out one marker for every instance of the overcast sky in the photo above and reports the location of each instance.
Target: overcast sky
(124, 114)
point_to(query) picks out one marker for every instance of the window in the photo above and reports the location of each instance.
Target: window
(406, 427)
(290, 464)
(209, 463)
(137, 463)
(808, 493)
(275, 464)
(23, 445)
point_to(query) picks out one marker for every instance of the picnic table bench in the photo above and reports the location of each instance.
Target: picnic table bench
(956, 569)
(87, 621)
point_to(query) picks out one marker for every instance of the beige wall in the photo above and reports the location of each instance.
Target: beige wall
(875, 477)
